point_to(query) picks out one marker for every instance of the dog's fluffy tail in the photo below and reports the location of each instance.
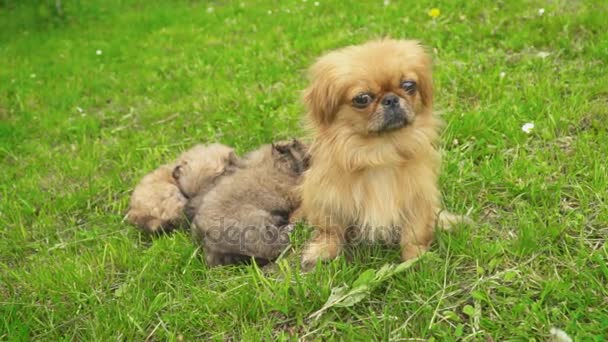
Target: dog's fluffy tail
(447, 220)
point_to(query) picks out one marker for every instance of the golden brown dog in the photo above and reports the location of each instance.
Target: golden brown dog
(374, 163)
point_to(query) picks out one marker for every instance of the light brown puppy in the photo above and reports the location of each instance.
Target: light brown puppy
(158, 201)
(157, 204)
(247, 214)
(374, 163)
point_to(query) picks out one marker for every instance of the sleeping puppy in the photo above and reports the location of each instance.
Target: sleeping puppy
(246, 215)
(198, 168)
(157, 204)
(374, 163)
(158, 201)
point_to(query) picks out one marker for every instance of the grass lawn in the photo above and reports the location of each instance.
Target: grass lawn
(96, 96)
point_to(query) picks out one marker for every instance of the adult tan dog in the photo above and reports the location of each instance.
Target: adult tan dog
(374, 165)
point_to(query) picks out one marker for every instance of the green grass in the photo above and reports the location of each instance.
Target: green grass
(78, 130)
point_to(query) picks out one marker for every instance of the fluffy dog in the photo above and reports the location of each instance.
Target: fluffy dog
(374, 163)
(246, 215)
(158, 201)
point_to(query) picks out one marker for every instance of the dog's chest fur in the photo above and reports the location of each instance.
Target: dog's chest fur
(378, 200)
(374, 201)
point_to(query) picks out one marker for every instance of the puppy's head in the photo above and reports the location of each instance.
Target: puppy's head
(199, 167)
(290, 156)
(374, 88)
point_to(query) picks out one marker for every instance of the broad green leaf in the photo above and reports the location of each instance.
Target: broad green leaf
(365, 278)
(345, 296)
(469, 310)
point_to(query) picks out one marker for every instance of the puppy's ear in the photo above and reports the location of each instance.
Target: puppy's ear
(233, 159)
(322, 97)
(306, 161)
(177, 172)
(282, 149)
(297, 145)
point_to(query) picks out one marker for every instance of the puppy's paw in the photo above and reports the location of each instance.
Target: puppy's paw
(288, 228)
(214, 259)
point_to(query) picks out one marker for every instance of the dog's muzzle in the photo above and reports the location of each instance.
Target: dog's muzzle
(393, 113)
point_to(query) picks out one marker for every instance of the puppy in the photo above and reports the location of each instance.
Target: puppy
(158, 201)
(374, 163)
(246, 215)
(157, 204)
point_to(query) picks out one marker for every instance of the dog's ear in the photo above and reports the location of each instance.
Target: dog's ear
(177, 172)
(297, 145)
(425, 79)
(280, 148)
(322, 96)
(233, 159)
(426, 87)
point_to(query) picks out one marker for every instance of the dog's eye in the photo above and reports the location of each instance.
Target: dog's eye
(362, 100)
(409, 86)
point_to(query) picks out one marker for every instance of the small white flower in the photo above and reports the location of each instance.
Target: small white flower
(316, 3)
(502, 74)
(528, 127)
(33, 75)
(210, 9)
(559, 335)
(98, 52)
(455, 142)
(541, 11)
(543, 54)
(269, 12)
(387, 2)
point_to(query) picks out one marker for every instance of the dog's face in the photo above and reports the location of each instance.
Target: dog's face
(374, 88)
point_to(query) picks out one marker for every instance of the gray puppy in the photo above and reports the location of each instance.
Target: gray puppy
(246, 215)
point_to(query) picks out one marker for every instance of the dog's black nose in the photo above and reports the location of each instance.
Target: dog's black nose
(390, 101)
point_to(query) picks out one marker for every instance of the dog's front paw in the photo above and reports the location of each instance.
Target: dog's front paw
(412, 251)
(319, 250)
